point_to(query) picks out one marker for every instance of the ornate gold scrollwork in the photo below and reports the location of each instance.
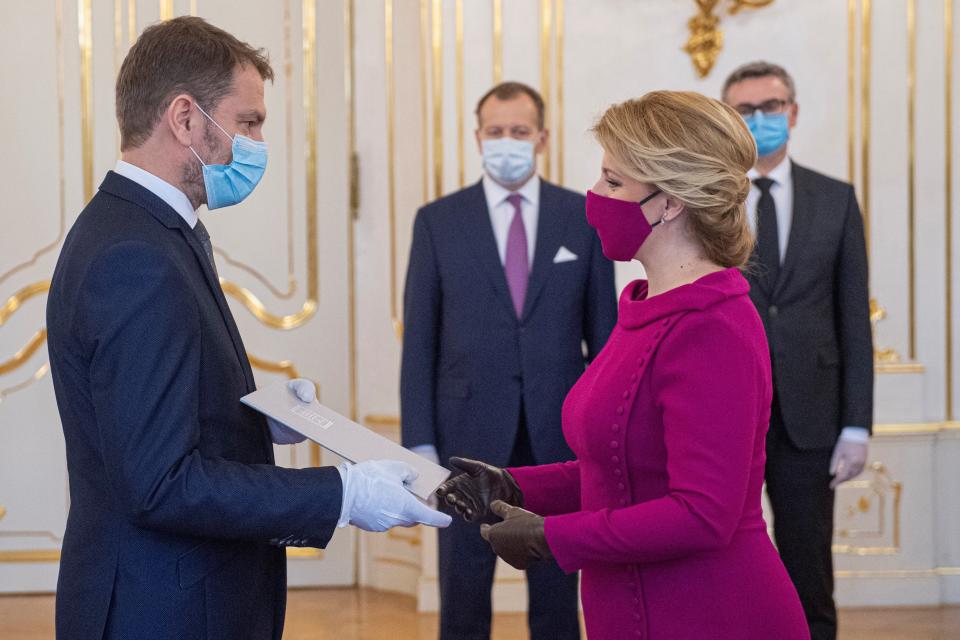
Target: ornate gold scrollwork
(869, 512)
(881, 355)
(706, 38)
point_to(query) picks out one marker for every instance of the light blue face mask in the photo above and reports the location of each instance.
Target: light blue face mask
(770, 131)
(508, 161)
(228, 184)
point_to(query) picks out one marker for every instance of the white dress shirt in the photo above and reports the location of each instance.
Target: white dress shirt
(177, 199)
(501, 213)
(782, 192)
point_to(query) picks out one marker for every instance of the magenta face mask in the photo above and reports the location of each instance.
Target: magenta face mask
(621, 225)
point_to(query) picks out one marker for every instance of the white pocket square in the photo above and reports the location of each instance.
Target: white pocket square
(564, 255)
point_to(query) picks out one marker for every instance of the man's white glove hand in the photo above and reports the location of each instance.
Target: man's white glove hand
(306, 392)
(849, 458)
(375, 499)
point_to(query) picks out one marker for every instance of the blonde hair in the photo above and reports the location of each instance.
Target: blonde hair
(695, 149)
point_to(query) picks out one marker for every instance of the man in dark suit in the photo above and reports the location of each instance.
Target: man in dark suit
(506, 284)
(178, 517)
(809, 283)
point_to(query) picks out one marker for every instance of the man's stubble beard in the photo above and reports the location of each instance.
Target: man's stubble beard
(191, 173)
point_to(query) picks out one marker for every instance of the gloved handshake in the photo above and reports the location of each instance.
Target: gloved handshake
(484, 493)
(374, 494)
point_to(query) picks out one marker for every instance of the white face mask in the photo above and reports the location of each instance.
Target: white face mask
(508, 161)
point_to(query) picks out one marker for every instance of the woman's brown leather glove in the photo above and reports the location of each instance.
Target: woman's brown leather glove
(471, 492)
(519, 539)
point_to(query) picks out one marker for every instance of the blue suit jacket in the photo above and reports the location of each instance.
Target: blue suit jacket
(469, 363)
(177, 512)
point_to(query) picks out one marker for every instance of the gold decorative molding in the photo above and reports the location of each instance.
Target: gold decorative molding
(911, 180)
(40, 555)
(881, 355)
(36, 377)
(166, 9)
(706, 38)
(916, 429)
(497, 41)
(354, 204)
(15, 301)
(458, 64)
(558, 109)
(85, 42)
(899, 573)
(259, 311)
(3, 511)
(948, 199)
(24, 353)
(304, 553)
(869, 511)
(546, 29)
(437, 82)
(390, 92)
(415, 539)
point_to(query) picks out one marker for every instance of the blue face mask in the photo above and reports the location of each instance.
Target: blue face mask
(228, 184)
(770, 131)
(508, 161)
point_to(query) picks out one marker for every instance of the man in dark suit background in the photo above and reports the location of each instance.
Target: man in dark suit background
(506, 284)
(809, 283)
(178, 517)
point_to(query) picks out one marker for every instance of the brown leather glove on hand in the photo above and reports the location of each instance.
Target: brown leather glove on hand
(471, 492)
(519, 539)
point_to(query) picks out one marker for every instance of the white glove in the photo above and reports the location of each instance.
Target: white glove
(306, 392)
(375, 499)
(849, 458)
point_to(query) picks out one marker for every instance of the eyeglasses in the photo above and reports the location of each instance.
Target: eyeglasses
(768, 107)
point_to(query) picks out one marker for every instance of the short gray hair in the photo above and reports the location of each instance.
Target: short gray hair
(759, 69)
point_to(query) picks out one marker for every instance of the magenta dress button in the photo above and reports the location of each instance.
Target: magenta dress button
(614, 444)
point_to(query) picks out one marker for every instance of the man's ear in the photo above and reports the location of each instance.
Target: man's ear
(181, 119)
(543, 142)
(792, 118)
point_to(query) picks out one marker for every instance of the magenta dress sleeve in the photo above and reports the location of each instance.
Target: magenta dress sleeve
(549, 489)
(707, 387)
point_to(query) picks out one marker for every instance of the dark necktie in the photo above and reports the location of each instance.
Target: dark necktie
(768, 238)
(517, 263)
(204, 239)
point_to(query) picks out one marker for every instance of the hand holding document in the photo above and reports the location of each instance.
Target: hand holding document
(342, 436)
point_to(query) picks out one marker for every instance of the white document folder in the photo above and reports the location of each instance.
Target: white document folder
(341, 435)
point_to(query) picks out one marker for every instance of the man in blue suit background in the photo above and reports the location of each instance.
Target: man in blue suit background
(507, 297)
(178, 517)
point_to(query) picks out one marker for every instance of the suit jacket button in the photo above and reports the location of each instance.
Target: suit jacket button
(615, 459)
(614, 444)
(773, 311)
(623, 502)
(617, 472)
(621, 486)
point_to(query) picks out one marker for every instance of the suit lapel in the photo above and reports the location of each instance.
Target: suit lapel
(484, 245)
(804, 210)
(550, 228)
(131, 191)
(214, 283)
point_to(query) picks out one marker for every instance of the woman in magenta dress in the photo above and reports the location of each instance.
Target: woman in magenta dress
(661, 511)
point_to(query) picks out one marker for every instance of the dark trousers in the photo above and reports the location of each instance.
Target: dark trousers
(798, 485)
(466, 567)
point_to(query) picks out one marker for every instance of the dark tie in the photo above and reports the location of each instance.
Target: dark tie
(204, 239)
(517, 262)
(768, 238)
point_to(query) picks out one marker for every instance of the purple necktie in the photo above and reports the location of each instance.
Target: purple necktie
(517, 264)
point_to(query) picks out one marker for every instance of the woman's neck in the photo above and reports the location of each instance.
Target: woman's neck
(662, 276)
